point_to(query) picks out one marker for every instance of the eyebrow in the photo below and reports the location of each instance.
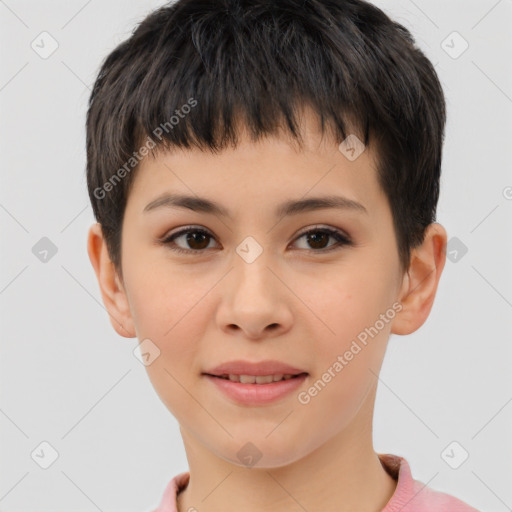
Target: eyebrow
(291, 207)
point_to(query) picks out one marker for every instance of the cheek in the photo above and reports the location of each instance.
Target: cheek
(173, 317)
(346, 301)
(162, 297)
(350, 305)
(168, 309)
(348, 358)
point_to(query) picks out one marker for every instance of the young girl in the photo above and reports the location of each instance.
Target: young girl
(265, 176)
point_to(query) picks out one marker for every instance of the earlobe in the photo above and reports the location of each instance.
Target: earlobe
(112, 291)
(421, 280)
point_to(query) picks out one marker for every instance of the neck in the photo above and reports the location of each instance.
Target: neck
(343, 474)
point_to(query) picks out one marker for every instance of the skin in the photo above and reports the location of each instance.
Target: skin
(291, 304)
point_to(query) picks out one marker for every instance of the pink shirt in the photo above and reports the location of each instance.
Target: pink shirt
(409, 496)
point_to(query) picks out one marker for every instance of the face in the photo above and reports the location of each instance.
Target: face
(251, 283)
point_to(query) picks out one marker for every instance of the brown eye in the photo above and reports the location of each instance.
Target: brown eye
(317, 239)
(194, 239)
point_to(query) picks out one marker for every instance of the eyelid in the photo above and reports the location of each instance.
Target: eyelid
(184, 229)
(342, 238)
(170, 236)
(320, 227)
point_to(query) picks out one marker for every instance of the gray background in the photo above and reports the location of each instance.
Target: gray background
(68, 379)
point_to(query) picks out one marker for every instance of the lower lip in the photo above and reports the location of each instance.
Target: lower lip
(257, 394)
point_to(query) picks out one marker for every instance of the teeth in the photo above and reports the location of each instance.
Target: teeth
(260, 379)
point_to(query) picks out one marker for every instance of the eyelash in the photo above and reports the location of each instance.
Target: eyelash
(337, 235)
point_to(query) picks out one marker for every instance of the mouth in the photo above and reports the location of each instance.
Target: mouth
(256, 390)
(263, 372)
(258, 379)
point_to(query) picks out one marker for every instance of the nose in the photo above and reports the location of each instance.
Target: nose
(255, 303)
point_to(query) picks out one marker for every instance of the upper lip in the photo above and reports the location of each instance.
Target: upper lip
(240, 367)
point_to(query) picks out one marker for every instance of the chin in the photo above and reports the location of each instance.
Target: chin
(262, 453)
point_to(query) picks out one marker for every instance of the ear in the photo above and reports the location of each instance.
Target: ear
(420, 282)
(112, 290)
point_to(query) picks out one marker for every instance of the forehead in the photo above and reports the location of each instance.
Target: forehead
(264, 171)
